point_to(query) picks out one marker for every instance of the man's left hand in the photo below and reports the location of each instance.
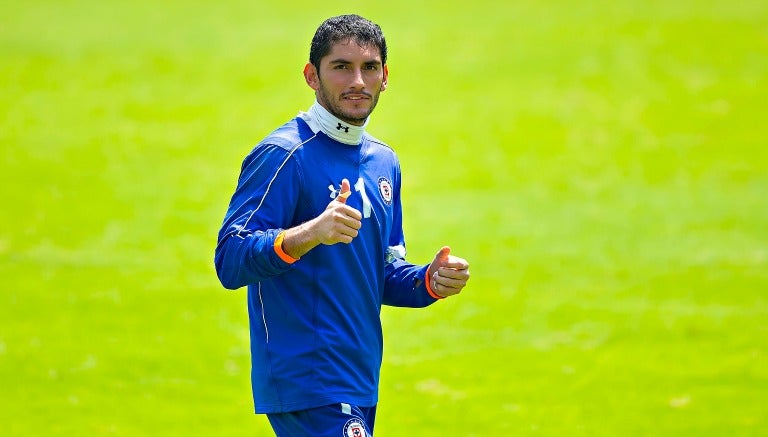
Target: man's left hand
(447, 274)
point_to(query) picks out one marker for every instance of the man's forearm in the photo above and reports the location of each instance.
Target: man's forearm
(300, 239)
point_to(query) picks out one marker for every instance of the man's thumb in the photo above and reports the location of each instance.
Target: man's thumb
(440, 258)
(344, 192)
(442, 255)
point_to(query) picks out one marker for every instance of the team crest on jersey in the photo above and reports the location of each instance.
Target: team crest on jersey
(354, 428)
(385, 189)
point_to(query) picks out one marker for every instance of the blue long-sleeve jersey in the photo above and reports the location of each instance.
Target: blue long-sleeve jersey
(315, 324)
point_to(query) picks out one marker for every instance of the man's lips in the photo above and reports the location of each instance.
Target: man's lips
(355, 97)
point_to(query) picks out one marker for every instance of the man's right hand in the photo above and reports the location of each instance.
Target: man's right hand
(339, 223)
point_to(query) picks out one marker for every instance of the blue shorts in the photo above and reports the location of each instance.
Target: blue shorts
(337, 420)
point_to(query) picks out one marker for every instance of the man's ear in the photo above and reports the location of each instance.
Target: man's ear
(310, 75)
(386, 76)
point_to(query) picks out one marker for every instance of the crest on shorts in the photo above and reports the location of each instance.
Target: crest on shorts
(354, 428)
(385, 189)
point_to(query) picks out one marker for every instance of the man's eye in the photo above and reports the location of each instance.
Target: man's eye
(340, 67)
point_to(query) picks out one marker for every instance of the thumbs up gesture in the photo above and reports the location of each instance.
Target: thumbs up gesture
(339, 223)
(344, 192)
(447, 274)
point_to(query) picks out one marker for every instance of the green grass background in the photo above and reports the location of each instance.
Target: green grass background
(601, 164)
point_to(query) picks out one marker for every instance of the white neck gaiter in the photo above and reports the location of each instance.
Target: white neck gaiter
(319, 119)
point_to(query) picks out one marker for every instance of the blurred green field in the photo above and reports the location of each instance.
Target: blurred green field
(601, 164)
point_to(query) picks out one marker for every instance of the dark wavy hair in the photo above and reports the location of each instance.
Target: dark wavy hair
(343, 27)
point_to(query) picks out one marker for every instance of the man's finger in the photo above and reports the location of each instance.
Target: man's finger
(352, 220)
(452, 273)
(345, 191)
(455, 263)
(442, 254)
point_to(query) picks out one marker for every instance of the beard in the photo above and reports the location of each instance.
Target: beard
(334, 105)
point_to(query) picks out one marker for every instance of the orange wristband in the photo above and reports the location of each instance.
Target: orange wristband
(279, 249)
(428, 283)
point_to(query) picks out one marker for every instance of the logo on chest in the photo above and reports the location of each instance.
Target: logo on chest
(385, 190)
(334, 191)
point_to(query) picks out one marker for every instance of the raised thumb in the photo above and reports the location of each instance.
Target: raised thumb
(442, 255)
(344, 192)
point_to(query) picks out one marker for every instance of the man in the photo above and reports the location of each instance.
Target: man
(314, 229)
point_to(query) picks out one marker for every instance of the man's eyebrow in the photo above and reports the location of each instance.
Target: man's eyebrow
(344, 61)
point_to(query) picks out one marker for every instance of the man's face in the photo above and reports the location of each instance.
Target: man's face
(349, 82)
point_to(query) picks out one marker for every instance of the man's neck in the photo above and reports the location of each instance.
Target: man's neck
(320, 119)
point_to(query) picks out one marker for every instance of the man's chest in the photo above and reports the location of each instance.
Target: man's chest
(371, 180)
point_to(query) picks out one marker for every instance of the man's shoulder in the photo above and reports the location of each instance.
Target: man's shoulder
(280, 143)
(378, 144)
(289, 135)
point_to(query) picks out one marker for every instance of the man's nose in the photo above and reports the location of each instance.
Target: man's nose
(357, 79)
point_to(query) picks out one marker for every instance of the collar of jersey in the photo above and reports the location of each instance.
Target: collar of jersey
(319, 119)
